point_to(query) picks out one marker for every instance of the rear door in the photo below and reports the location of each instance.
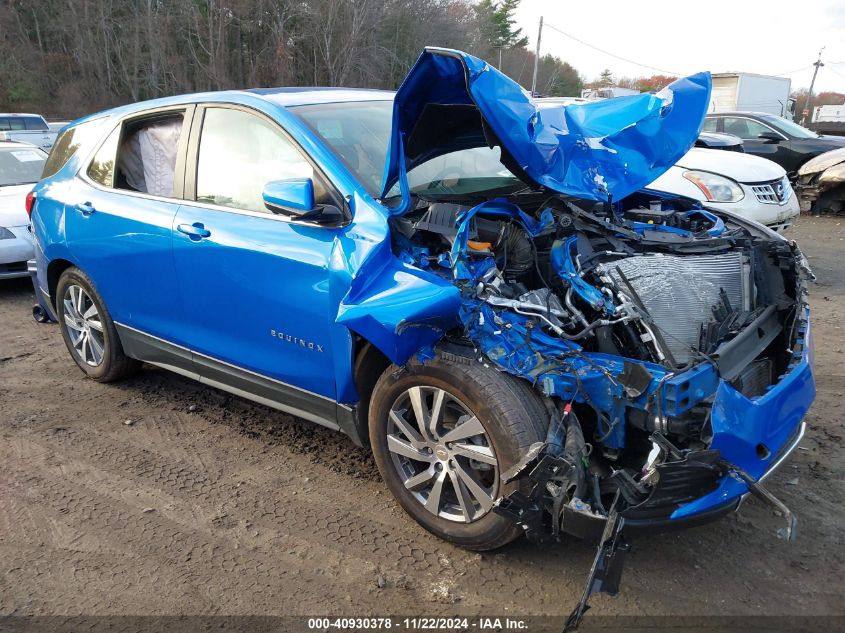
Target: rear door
(749, 131)
(120, 218)
(255, 285)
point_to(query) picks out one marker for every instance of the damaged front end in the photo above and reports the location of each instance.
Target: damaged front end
(674, 356)
(670, 343)
(821, 183)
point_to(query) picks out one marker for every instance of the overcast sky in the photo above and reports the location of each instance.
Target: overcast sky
(768, 37)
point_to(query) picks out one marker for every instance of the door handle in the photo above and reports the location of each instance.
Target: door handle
(86, 208)
(195, 231)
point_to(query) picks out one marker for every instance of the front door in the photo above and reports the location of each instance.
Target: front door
(780, 151)
(255, 285)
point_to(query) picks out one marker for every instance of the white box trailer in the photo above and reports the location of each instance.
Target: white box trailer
(750, 92)
(829, 114)
(829, 119)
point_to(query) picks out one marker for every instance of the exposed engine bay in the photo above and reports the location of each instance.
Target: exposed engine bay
(625, 317)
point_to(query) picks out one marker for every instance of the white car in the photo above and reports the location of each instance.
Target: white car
(750, 186)
(21, 165)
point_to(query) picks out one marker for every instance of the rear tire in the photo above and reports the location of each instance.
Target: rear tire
(88, 329)
(504, 417)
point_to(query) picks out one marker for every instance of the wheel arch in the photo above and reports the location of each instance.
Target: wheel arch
(368, 364)
(54, 270)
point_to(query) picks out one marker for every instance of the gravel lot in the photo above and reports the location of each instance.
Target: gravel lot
(160, 496)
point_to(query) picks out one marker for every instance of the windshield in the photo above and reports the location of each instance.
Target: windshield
(790, 127)
(461, 173)
(359, 133)
(20, 165)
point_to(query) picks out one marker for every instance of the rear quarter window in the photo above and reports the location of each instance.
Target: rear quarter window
(68, 143)
(35, 123)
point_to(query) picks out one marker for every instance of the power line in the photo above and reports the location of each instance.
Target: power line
(619, 57)
(790, 72)
(835, 72)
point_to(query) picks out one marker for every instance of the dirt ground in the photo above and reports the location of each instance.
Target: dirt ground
(159, 496)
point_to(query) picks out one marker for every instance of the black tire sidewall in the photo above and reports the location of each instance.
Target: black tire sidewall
(492, 530)
(74, 276)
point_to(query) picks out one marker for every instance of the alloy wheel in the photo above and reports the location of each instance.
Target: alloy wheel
(442, 454)
(83, 324)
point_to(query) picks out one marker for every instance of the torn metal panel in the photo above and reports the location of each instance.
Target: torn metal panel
(606, 149)
(400, 309)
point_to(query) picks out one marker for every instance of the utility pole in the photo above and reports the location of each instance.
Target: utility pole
(808, 112)
(537, 59)
(498, 48)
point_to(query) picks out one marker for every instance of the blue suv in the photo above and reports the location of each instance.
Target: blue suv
(482, 289)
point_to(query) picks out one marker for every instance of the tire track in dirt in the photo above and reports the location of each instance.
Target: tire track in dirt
(425, 563)
(178, 555)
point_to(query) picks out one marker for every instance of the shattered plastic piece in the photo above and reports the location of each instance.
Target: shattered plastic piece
(606, 571)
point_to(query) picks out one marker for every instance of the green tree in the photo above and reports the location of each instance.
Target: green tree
(557, 78)
(497, 24)
(606, 78)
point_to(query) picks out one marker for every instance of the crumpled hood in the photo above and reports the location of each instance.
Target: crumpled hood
(822, 162)
(736, 165)
(451, 100)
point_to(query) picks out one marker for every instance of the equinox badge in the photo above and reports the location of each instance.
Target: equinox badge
(296, 341)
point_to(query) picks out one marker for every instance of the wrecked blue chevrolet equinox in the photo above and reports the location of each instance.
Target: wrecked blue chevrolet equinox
(479, 287)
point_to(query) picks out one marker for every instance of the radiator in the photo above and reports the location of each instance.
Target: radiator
(679, 292)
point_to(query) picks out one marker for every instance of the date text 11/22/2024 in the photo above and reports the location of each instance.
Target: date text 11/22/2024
(419, 623)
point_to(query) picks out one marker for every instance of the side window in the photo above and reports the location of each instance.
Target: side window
(140, 155)
(239, 153)
(101, 169)
(709, 125)
(35, 123)
(68, 142)
(744, 128)
(146, 154)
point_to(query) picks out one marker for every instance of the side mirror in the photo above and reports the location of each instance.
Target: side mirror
(292, 196)
(770, 137)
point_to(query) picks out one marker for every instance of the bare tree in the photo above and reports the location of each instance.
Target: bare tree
(66, 58)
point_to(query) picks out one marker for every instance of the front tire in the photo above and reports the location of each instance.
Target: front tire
(88, 329)
(445, 472)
